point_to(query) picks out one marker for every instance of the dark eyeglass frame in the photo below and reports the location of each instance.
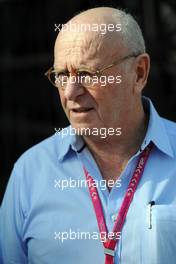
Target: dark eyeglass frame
(97, 72)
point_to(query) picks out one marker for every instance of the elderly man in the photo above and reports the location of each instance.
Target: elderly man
(56, 209)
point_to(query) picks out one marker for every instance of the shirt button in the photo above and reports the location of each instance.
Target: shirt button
(113, 217)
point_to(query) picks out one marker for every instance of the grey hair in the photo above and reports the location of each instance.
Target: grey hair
(131, 33)
(132, 36)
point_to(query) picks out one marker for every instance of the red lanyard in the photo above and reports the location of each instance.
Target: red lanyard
(110, 243)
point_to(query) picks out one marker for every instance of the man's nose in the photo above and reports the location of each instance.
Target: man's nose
(73, 89)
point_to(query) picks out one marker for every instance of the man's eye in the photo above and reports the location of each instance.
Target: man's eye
(61, 78)
(85, 73)
(61, 75)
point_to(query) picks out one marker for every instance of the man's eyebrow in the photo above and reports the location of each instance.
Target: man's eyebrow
(86, 67)
(60, 69)
(78, 69)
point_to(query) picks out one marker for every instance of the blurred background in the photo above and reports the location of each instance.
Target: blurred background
(29, 105)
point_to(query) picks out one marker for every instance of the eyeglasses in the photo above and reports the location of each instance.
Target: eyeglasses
(86, 77)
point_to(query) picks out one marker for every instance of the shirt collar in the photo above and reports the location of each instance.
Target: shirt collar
(70, 141)
(156, 132)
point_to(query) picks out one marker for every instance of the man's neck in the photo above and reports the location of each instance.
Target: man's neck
(112, 153)
(125, 145)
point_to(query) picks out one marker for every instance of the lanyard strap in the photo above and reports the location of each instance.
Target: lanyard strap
(110, 244)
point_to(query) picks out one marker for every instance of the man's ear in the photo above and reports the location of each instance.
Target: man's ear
(142, 67)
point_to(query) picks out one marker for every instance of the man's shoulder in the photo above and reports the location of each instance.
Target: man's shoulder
(45, 150)
(170, 126)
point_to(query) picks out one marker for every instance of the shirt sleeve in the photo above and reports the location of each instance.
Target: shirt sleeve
(13, 249)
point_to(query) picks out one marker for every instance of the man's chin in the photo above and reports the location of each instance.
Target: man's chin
(86, 130)
(82, 127)
(91, 125)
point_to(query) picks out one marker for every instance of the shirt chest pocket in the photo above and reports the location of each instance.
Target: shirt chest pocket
(161, 237)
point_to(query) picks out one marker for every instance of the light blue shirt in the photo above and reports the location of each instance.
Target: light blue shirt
(39, 216)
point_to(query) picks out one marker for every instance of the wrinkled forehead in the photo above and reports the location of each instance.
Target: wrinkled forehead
(77, 48)
(91, 47)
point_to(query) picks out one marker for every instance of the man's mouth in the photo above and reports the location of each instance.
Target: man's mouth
(81, 110)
